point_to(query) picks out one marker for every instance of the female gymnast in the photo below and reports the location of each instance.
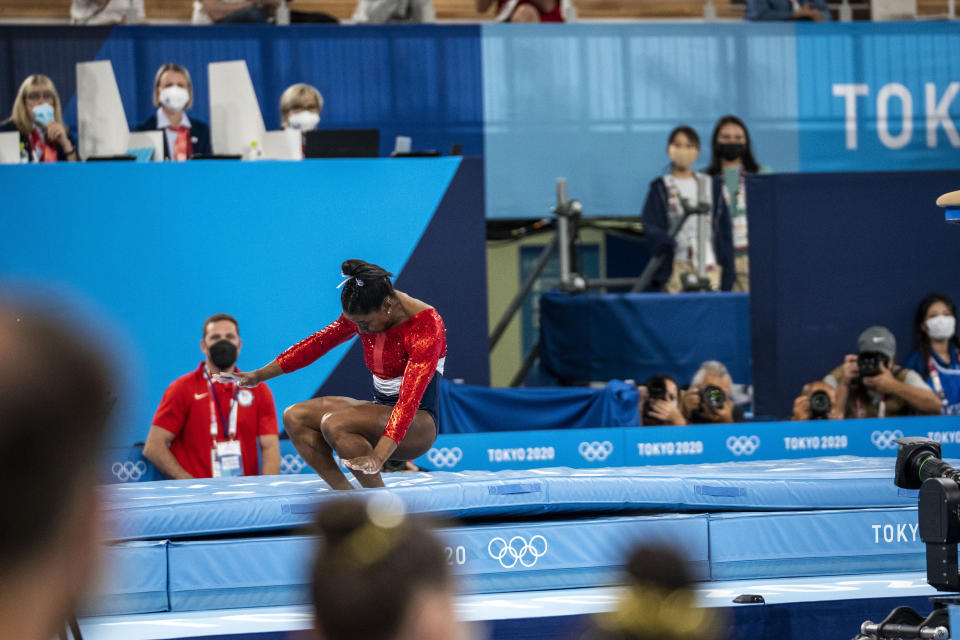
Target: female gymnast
(404, 346)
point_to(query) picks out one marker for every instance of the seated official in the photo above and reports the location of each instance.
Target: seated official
(300, 107)
(817, 401)
(814, 10)
(38, 116)
(936, 359)
(204, 428)
(659, 399)
(871, 385)
(183, 137)
(708, 398)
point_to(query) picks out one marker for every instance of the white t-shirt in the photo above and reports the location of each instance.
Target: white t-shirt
(200, 16)
(694, 190)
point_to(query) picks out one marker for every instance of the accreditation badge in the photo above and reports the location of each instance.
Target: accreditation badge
(226, 459)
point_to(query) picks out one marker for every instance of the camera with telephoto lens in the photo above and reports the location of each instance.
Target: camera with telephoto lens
(869, 363)
(820, 405)
(713, 397)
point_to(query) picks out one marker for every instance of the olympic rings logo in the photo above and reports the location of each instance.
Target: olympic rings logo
(129, 471)
(743, 445)
(885, 439)
(508, 554)
(291, 463)
(593, 451)
(444, 457)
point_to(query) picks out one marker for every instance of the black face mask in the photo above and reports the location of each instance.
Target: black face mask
(223, 354)
(733, 151)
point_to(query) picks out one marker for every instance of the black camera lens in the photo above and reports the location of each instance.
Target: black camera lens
(869, 363)
(820, 405)
(713, 396)
(657, 390)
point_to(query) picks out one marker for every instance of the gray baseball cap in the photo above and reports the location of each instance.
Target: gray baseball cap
(878, 339)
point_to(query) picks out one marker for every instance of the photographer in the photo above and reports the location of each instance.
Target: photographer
(708, 399)
(817, 401)
(660, 402)
(871, 385)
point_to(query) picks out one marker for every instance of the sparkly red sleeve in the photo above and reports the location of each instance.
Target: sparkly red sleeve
(309, 349)
(425, 346)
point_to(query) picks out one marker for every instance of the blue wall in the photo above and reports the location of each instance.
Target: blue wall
(589, 102)
(158, 248)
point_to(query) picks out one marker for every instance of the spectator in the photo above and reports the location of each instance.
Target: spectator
(669, 197)
(99, 12)
(730, 160)
(524, 10)
(54, 401)
(708, 399)
(234, 11)
(394, 11)
(38, 115)
(815, 10)
(183, 137)
(205, 428)
(817, 401)
(871, 385)
(300, 107)
(659, 601)
(660, 402)
(372, 557)
(935, 332)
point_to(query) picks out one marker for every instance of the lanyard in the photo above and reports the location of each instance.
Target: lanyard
(937, 386)
(741, 192)
(230, 430)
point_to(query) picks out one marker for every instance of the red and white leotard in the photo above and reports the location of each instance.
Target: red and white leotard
(402, 359)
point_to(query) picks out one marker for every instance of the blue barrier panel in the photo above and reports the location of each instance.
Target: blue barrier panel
(639, 446)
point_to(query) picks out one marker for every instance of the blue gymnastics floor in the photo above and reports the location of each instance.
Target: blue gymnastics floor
(555, 612)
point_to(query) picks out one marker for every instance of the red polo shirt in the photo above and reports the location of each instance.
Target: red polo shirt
(185, 412)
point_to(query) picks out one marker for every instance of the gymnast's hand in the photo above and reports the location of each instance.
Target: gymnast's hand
(365, 464)
(240, 378)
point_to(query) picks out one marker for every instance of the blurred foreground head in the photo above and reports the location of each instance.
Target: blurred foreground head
(659, 601)
(54, 402)
(381, 575)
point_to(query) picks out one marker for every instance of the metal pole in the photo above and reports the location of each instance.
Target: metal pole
(951, 9)
(646, 277)
(846, 11)
(527, 365)
(524, 291)
(563, 230)
(709, 11)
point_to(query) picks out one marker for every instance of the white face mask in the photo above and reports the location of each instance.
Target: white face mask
(174, 98)
(941, 327)
(304, 120)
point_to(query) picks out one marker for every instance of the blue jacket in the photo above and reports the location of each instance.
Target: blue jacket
(656, 228)
(780, 9)
(199, 131)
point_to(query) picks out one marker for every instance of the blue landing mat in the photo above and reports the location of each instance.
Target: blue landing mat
(503, 558)
(186, 508)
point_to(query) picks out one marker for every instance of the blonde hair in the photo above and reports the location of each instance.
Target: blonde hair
(170, 66)
(293, 93)
(21, 116)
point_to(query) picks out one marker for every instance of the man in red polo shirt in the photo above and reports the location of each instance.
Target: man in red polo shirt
(204, 428)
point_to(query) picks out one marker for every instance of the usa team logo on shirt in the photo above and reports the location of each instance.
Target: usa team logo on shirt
(245, 397)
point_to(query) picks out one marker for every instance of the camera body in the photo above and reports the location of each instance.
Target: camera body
(713, 397)
(820, 405)
(656, 390)
(869, 363)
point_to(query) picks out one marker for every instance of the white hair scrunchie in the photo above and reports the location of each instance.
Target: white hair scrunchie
(346, 277)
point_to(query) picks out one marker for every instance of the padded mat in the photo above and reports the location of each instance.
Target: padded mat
(188, 508)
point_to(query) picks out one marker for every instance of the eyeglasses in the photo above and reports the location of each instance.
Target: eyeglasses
(305, 107)
(40, 95)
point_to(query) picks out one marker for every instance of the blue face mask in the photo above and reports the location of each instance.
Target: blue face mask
(43, 114)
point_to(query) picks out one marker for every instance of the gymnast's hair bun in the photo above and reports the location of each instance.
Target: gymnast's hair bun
(363, 270)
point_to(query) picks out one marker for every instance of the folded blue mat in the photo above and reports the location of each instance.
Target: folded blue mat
(522, 556)
(186, 508)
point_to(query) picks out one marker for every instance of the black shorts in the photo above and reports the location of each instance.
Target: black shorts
(428, 402)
